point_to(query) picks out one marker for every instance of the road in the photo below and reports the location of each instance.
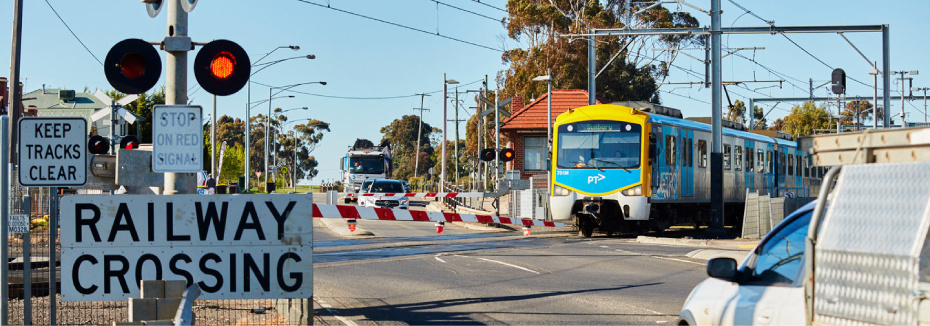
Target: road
(408, 274)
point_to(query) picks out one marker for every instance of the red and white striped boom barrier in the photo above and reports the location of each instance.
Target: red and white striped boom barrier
(430, 194)
(372, 213)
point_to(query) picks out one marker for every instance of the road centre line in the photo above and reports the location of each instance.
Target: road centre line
(660, 257)
(439, 259)
(511, 265)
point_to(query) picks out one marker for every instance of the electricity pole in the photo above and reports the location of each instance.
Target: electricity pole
(416, 169)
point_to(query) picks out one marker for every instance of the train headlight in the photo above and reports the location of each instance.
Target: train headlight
(635, 191)
(559, 191)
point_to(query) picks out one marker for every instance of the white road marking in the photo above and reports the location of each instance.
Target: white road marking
(439, 259)
(661, 321)
(511, 265)
(335, 313)
(663, 258)
(604, 247)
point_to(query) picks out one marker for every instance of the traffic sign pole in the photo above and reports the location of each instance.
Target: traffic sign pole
(4, 216)
(176, 75)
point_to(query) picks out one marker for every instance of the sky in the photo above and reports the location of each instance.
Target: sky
(374, 67)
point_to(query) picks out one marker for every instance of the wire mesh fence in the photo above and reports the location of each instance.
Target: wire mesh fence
(31, 301)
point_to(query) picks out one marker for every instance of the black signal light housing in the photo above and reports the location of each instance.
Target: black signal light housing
(132, 66)
(222, 67)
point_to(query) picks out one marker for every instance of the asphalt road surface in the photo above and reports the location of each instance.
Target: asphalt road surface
(475, 277)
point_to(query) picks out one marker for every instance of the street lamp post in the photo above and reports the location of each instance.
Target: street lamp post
(548, 79)
(445, 113)
(248, 111)
(268, 125)
(874, 72)
(274, 139)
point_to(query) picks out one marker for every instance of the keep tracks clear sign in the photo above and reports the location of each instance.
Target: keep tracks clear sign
(232, 246)
(52, 152)
(177, 136)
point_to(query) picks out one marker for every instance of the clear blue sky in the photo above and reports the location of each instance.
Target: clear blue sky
(364, 58)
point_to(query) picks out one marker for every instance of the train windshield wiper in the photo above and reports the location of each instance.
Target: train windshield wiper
(627, 169)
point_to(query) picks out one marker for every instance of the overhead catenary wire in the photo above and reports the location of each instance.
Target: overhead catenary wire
(72, 32)
(400, 25)
(490, 6)
(362, 97)
(466, 10)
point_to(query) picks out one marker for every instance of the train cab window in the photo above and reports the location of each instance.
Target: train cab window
(790, 164)
(781, 163)
(761, 161)
(798, 166)
(738, 160)
(726, 157)
(749, 161)
(771, 162)
(702, 153)
(670, 150)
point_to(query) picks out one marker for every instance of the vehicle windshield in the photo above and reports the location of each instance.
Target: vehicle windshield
(388, 187)
(599, 145)
(366, 184)
(366, 164)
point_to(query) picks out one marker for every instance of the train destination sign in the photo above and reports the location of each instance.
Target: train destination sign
(53, 152)
(232, 247)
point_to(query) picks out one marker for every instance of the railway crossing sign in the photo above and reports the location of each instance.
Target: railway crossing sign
(177, 139)
(52, 152)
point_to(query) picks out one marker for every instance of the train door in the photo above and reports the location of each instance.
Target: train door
(782, 172)
(657, 142)
(769, 172)
(750, 177)
(668, 183)
(798, 169)
(686, 162)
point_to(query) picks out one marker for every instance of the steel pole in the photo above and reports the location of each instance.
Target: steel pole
(455, 152)
(15, 95)
(875, 97)
(716, 169)
(213, 143)
(4, 218)
(592, 69)
(497, 136)
(176, 90)
(52, 255)
(416, 166)
(267, 130)
(549, 131)
(903, 124)
(27, 263)
(295, 162)
(886, 74)
(248, 130)
(442, 169)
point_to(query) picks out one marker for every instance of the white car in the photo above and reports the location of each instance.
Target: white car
(385, 194)
(766, 290)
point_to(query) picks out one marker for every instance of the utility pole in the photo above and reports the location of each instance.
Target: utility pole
(716, 156)
(416, 169)
(902, 79)
(176, 73)
(924, 89)
(455, 156)
(15, 96)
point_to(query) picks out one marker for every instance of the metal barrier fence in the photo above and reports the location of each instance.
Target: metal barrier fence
(30, 301)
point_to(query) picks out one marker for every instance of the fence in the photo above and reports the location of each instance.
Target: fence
(34, 293)
(762, 213)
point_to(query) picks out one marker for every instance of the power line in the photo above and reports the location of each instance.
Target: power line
(687, 97)
(72, 32)
(399, 25)
(466, 10)
(362, 97)
(498, 8)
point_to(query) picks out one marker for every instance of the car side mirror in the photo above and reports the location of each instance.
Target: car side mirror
(723, 268)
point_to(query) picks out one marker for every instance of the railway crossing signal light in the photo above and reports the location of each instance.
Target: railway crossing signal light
(526, 231)
(439, 226)
(222, 67)
(839, 81)
(132, 66)
(129, 142)
(507, 155)
(351, 225)
(487, 154)
(98, 145)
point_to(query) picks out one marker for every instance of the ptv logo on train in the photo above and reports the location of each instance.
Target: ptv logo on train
(596, 178)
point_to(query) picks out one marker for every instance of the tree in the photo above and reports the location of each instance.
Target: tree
(230, 130)
(232, 164)
(806, 118)
(759, 122)
(735, 112)
(863, 108)
(630, 76)
(402, 134)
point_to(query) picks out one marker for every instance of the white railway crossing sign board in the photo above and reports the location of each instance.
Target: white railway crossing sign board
(233, 247)
(177, 139)
(53, 152)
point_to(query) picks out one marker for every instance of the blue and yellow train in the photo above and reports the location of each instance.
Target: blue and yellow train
(618, 169)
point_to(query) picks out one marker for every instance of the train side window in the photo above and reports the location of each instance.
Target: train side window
(749, 161)
(690, 152)
(807, 169)
(670, 150)
(781, 163)
(798, 158)
(790, 164)
(702, 153)
(726, 157)
(761, 161)
(771, 162)
(738, 160)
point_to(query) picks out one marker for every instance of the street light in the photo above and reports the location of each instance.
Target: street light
(248, 110)
(874, 72)
(268, 125)
(548, 79)
(277, 113)
(445, 97)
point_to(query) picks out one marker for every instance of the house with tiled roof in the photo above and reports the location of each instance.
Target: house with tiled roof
(526, 129)
(69, 103)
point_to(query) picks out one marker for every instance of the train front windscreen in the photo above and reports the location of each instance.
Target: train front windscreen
(599, 145)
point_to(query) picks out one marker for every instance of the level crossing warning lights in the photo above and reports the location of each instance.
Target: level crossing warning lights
(505, 154)
(222, 67)
(98, 145)
(132, 66)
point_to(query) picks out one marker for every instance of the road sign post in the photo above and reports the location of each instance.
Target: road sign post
(52, 152)
(177, 139)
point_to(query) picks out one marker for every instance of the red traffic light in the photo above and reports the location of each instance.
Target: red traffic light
(98, 145)
(129, 142)
(222, 67)
(487, 154)
(132, 66)
(507, 155)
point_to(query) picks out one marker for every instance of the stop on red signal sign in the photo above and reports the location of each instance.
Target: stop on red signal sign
(222, 67)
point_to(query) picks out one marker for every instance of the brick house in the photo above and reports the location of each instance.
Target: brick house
(526, 129)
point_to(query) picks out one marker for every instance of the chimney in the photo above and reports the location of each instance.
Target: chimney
(516, 104)
(31, 111)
